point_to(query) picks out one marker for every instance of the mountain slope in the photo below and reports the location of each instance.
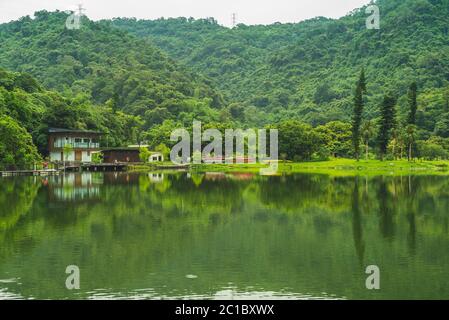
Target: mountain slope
(34, 109)
(108, 65)
(308, 70)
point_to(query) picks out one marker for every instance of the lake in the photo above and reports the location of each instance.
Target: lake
(215, 235)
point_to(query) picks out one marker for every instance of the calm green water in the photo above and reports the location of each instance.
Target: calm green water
(224, 236)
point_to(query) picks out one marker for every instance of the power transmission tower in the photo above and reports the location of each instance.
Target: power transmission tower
(234, 20)
(80, 9)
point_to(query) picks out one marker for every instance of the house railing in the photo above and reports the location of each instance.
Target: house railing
(84, 145)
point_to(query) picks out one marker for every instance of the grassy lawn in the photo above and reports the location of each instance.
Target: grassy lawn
(342, 167)
(372, 166)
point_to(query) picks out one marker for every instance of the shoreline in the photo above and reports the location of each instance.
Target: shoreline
(335, 167)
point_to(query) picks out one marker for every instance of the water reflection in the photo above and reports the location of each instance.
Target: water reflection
(295, 236)
(74, 187)
(357, 227)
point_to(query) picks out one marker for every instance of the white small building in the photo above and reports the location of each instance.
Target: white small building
(156, 157)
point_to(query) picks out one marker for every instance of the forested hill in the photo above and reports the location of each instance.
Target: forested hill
(137, 80)
(27, 110)
(308, 70)
(108, 66)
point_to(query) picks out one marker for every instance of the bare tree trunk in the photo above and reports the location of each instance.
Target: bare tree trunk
(410, 152)
(367, 149)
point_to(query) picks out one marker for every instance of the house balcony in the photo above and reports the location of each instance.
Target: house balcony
(78, 145)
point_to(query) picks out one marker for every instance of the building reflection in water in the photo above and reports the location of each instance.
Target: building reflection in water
(75, 186)
(84, 186)
(156, 177)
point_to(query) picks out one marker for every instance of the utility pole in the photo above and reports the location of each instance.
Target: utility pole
(234, 20)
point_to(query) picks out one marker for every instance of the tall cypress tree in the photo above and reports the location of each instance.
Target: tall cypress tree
(412, 101)
(362, 80)
(358, 113)
(387, 122)
(411, 120)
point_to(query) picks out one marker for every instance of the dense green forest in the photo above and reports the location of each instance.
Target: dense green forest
(136, 80)
(27, 110)
(307, 70)
(108, 66)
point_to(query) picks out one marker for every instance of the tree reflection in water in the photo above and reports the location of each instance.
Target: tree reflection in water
(296, 235)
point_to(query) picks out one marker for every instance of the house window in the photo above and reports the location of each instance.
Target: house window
(86, 140)
(88, 153)
(77, 140)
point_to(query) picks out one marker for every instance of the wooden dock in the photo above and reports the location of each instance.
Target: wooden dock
(43, 172)
(90, 167)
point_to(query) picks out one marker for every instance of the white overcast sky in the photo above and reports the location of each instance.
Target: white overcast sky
(248, 11)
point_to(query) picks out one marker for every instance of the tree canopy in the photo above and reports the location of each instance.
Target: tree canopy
(137, 80)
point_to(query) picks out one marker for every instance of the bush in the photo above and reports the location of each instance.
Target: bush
(16, 146)
(144, 154)
(430, 151)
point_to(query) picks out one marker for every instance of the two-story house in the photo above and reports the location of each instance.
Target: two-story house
(72, 145)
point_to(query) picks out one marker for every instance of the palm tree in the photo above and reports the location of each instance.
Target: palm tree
(367, 133)
(410, 134)
(401, 141)
(395, 140)
(393, 143)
